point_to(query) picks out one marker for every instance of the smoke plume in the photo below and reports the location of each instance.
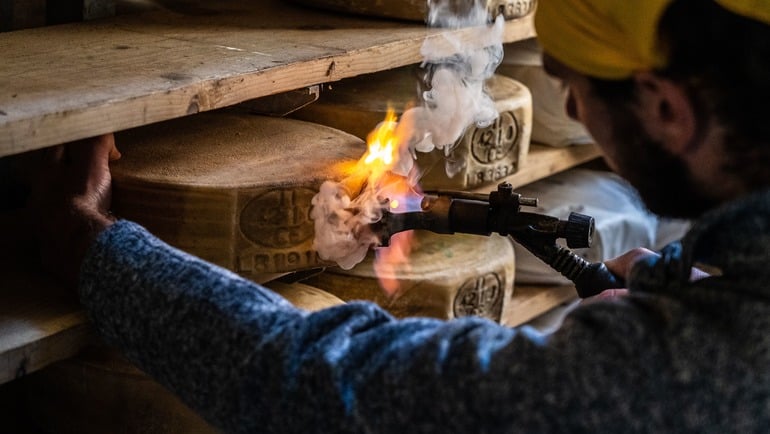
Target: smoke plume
(457, 65)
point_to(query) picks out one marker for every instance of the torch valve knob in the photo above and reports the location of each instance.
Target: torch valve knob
(579, 230)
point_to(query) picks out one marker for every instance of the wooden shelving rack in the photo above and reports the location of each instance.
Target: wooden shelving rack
(67, 82)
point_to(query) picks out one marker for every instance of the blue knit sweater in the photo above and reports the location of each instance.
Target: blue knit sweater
(673, 356)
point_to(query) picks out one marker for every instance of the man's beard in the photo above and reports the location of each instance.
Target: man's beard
(662, 179)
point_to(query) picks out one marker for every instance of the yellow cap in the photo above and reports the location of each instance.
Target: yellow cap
(755, 9)
(611, 39)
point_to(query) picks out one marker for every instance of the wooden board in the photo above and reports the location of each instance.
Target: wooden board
(67, 82)
(543, 161)
(40, 322)
(531, 301)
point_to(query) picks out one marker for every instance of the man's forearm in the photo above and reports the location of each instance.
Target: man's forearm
(188, 323)
(248, 361)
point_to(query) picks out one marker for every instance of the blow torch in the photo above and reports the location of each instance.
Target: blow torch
(449, 212)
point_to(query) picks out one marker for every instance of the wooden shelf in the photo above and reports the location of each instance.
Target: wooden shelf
(40, 322)
(66, 82)
(544, 161)
(39, 325)
(531, 301)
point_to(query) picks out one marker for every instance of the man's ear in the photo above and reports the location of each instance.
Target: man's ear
(666, 112)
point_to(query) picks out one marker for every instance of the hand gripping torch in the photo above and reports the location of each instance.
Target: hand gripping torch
(450, 212)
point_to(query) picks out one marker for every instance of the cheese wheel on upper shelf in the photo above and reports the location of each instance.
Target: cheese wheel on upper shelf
(417, 10)
(234, 189)
(485, 155)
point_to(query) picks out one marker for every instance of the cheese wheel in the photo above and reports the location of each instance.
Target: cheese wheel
(487, 155)
(447, 276)
(233, 189)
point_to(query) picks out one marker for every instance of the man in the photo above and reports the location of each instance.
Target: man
(675, 93)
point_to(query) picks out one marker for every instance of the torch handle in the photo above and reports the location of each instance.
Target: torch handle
(590, 278)
(445, 214)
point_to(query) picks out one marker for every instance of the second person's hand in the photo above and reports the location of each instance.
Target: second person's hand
(70, 203)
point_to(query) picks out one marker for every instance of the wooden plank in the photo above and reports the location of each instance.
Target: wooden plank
(543, 161)
(40, 322)
(62, 83)
(530, 301)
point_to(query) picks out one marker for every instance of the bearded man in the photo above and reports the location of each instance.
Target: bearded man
(675, 92)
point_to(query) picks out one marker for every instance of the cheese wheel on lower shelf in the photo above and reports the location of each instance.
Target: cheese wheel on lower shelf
(234, 189)
(447, 276)
(304, 296)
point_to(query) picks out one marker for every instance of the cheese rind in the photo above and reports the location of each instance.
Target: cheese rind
(233, 189)
(447, 276)
(482, 156)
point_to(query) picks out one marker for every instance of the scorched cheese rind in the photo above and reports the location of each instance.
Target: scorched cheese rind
(234, 189)
(482, 156)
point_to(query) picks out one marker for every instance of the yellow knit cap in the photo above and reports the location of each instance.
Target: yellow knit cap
(611, 39)
(755, 9)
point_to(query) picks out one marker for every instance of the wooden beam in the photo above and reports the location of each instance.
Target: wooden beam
(67, 82)
(531, 301)
(543, 161)
(40, 322)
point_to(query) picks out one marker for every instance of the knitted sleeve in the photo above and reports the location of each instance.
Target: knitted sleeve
(248, 361)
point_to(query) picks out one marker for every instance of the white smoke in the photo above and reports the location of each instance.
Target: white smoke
(458, 64)
(342, 234)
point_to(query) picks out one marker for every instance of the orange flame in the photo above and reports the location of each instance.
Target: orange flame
(382, 152)
(385, 144)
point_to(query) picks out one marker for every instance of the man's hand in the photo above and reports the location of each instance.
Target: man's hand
(71, 202)
(621, 267)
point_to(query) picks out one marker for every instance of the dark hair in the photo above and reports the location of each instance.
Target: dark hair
(723, 61)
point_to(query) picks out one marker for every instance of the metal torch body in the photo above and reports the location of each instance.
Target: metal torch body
(500, 212)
